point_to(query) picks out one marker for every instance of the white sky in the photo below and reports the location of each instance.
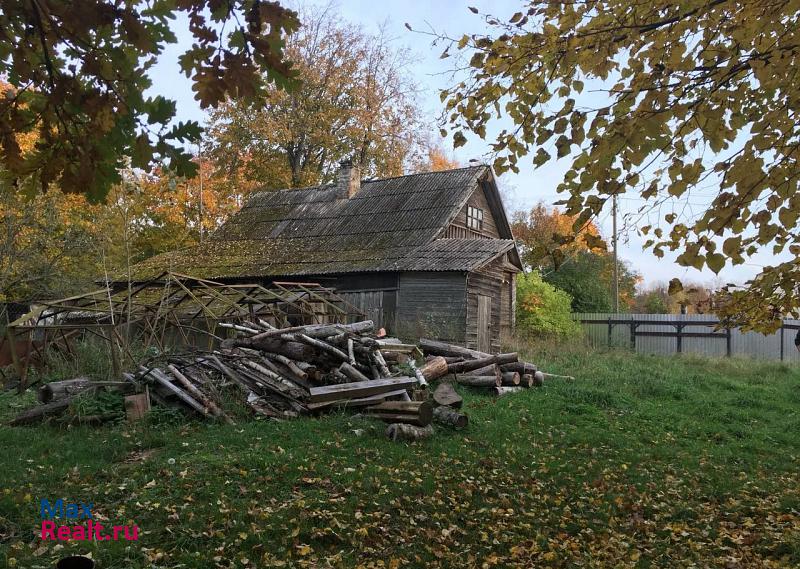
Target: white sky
(523, 190)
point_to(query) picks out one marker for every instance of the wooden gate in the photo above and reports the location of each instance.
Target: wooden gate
(484, 323)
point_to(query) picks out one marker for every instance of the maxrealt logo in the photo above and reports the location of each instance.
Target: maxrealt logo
(78, 523)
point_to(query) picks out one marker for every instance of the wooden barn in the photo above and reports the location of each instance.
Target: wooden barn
(426, 254)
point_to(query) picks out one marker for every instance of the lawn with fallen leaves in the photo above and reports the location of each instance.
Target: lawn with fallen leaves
(640, 462)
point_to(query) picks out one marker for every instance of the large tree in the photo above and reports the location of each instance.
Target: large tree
(658, 99)
(546, 237)
(78, 72)
(355, 101)
(574, 260)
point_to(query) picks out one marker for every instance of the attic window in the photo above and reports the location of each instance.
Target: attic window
(474, 218)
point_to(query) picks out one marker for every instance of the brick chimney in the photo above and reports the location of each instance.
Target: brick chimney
(348, 181)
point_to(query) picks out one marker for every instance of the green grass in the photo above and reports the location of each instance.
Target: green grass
(641, 461)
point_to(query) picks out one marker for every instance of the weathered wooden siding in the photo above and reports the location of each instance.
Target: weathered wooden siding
(483, 283)
(373, 293)
(458, 228)
(503, 272)
(432, 304)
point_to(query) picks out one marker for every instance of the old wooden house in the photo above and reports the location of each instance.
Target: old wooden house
(424, 254)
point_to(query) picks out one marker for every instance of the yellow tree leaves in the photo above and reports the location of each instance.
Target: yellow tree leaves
(548, 236)
(354, 102)
(659, 99)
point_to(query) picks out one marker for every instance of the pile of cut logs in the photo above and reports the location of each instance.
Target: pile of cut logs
(501, 373)
(287, 372)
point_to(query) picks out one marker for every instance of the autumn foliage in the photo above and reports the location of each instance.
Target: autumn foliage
(660, 99)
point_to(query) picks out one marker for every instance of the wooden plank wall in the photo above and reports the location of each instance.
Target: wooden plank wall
(432, 304)
(491, 286)
(458, 228)
(373, 293)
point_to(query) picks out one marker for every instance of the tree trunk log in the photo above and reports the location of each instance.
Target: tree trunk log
(520, 367)
(318, 330)
(477, 380)
(470, 365)
(418, 413)
(403, 432)
(435, 368)
(526, 380)
(163, 380)
(437, 348)
(352, 373)
(447, 416)
(509, 378)
(538, 379)
(500, 391)
(59, 389)
(41, 412)
(199, 395)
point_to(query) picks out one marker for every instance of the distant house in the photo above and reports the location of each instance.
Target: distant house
(424, 254)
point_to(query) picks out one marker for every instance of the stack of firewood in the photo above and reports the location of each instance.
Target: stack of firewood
(500, 373)
(287, 372)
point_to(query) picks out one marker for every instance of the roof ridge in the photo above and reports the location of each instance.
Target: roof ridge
(364, 180)
(425, 173)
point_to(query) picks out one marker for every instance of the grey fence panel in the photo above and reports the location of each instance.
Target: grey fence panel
(666, 334)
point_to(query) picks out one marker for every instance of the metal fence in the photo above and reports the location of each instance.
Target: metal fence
(666, 334)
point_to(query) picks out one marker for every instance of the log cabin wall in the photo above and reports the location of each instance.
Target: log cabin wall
(432, 304)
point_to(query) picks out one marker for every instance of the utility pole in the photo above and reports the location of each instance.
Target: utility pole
(615, 284)
(200, 173)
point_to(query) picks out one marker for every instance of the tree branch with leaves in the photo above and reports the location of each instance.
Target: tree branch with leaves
(659, 99)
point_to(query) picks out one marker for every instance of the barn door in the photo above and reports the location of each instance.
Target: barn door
(484, 323)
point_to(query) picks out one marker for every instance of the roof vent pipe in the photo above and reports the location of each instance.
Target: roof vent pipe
(348, 181)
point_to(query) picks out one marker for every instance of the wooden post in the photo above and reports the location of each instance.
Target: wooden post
(782, 340)
(14, 359)
(679, 343)
(610, 326)
(633, 335)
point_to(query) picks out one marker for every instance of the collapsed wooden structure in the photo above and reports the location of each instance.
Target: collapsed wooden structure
(167, 311)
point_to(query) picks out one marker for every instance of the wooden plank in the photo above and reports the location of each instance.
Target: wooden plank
(484, 324)
(359, 402)
(360, 389)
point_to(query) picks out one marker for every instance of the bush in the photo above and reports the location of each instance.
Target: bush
(543, 309)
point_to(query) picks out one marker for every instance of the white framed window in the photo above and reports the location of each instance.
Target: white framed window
(474, 218)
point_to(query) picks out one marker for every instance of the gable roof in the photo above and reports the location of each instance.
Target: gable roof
(388, 225)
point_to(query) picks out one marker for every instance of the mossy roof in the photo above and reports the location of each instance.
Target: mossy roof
(389, 225)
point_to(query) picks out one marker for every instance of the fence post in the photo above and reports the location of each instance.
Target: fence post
(609, 331)
(679, 343)
(633, 336)
(728, 341)
(781, 340)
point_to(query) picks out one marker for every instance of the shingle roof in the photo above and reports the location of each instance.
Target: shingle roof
(220, 259)
(389, 225)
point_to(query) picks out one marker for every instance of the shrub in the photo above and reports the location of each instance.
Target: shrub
(543, 309)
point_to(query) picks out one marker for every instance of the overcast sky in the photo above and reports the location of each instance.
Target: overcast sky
(522, 190)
